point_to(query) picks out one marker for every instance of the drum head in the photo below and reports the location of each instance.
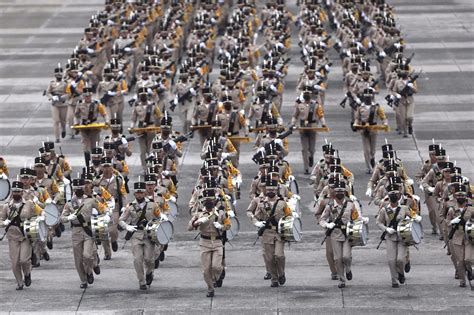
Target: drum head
(4, 189)
(51, 214)
(416, 232)
(294, 187)
(234, 229)
(364, 234)
(164, 232)
(42, 231)
(297, 229)
(173, 208)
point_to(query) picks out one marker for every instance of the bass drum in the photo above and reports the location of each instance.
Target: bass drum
(4, 189)
(51, 214)
(290, 229)
(173, 210)
(159, 232)
(410, 232)
(35, 231)
(234, 229)
(357, 233)
(100, 227)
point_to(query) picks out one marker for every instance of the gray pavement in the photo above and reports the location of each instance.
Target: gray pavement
(35, 35)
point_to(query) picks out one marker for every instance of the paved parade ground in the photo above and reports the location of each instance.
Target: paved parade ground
(37, 34)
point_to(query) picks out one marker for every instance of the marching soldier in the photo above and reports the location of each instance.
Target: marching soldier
(75, 86)
(57, 94)
(388, 219)
(211, 222)
(459, 215)
(335, 217)
(265, 216)
(138, 213)
(111, 94)
(87, 112)
(13, 215)
(308, 113)
(145, 114)
(367, 114)
(79, 211)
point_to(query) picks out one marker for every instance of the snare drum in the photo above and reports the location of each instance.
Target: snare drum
(290, 229)
(100, 227)
(51, 214)
(35, 231)
(173, 210)
(357, 233)
(159, 232)
(410, 232)
(4, 189)
(469, 230)
(293, 186)
(234, 229)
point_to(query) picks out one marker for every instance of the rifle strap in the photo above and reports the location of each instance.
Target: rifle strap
(232, 120)
(212, 109)
(372, 114)
(90, 117)
(53, 171)
(16, 219)
(149, 108)
(141, 217)
(393, 223)
(341, 213)
(312, 108)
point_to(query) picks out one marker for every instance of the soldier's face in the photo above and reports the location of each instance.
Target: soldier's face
(107, 169)
(39, 170)
(150, 189)
(88, 188)
(25, 180)
(17, 194)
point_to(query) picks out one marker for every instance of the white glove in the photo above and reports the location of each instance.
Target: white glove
(416, 198)
(71, 217)
(110, 22)
(368, 192)
(202, 220)
(111, 93)
(217, 225)
(398, 96)
(297, 197)
(163, 217)
(193, 91)
(149, 91)
(124, 141)
(455, 220)
(365, 220)
(79, 74)
(259, 224)
(107, 217)
(352, 198)
(421, 187)
(431, 189)
(409, 182)
(330, 225)
(55, 98)
(390, 230)
(3, 176)
(224, 155)
(127, 49)
(48, 201)
(317, 87)
(382, 54)
(202, 45)
(231, 214)
(262, 149)
(165, 173)
(410, 85)
(295, 214)
(94, 211)
(418, 218)
(173, 199)
(172, 144)
(35, 199)
(131, 228)
(39, 218)
(6, 222)
(73, 84)
(291, 178)
(279, 142)
(90, 51)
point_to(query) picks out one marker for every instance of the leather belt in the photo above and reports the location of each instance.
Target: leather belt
(75, 225)
(212, 238)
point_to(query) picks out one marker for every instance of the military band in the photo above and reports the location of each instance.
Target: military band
(162, 54)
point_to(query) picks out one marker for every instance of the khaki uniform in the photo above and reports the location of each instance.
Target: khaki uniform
(321, 205)
(430, 181)
(308, 114)
(463, 249)
(145, 115)
(396, 249)
(114, 106)
(57, 89)
(114, 186)
(18, 245)
(272, 243)
(211, 244)
(86, 113)
(232, 123)
(406, 108)
(74, 98)
(143, 250)
(259, 112)
(83, 245)
(187, 105)
(342, 250)
(368, 114)
(203, 114)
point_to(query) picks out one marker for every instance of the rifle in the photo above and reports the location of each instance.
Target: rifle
(183, 138)
(392, 224)
(407, 91)
(286, 133)
(10, 216)
(263, 228)
(106, 97)
(338, 222)
(456, 227)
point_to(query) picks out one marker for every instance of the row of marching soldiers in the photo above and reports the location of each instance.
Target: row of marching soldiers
(448, 197)
(44, 198)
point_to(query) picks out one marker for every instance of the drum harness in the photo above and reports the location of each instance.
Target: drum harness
(82, 223)
(142, 221)
(393, 224)
(459, 224)
(270, 221)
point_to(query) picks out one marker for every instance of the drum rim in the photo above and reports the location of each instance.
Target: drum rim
(8, 186)
(156, 232)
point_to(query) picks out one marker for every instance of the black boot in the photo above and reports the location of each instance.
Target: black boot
(28, 280)
(349, 275)
(83, 286)
(149, 278)
(49, 243)
(96, 270)
(162, 256)
(90, 278)
(143, 287)
(114, 246)
(401, 278)
(57, 231)
(311, 161)
(46, 256)
(61, 226)
(407, 267)
(282, 280)
(157, 263)
(267, 276)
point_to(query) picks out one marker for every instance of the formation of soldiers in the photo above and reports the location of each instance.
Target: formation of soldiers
(165, 52)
